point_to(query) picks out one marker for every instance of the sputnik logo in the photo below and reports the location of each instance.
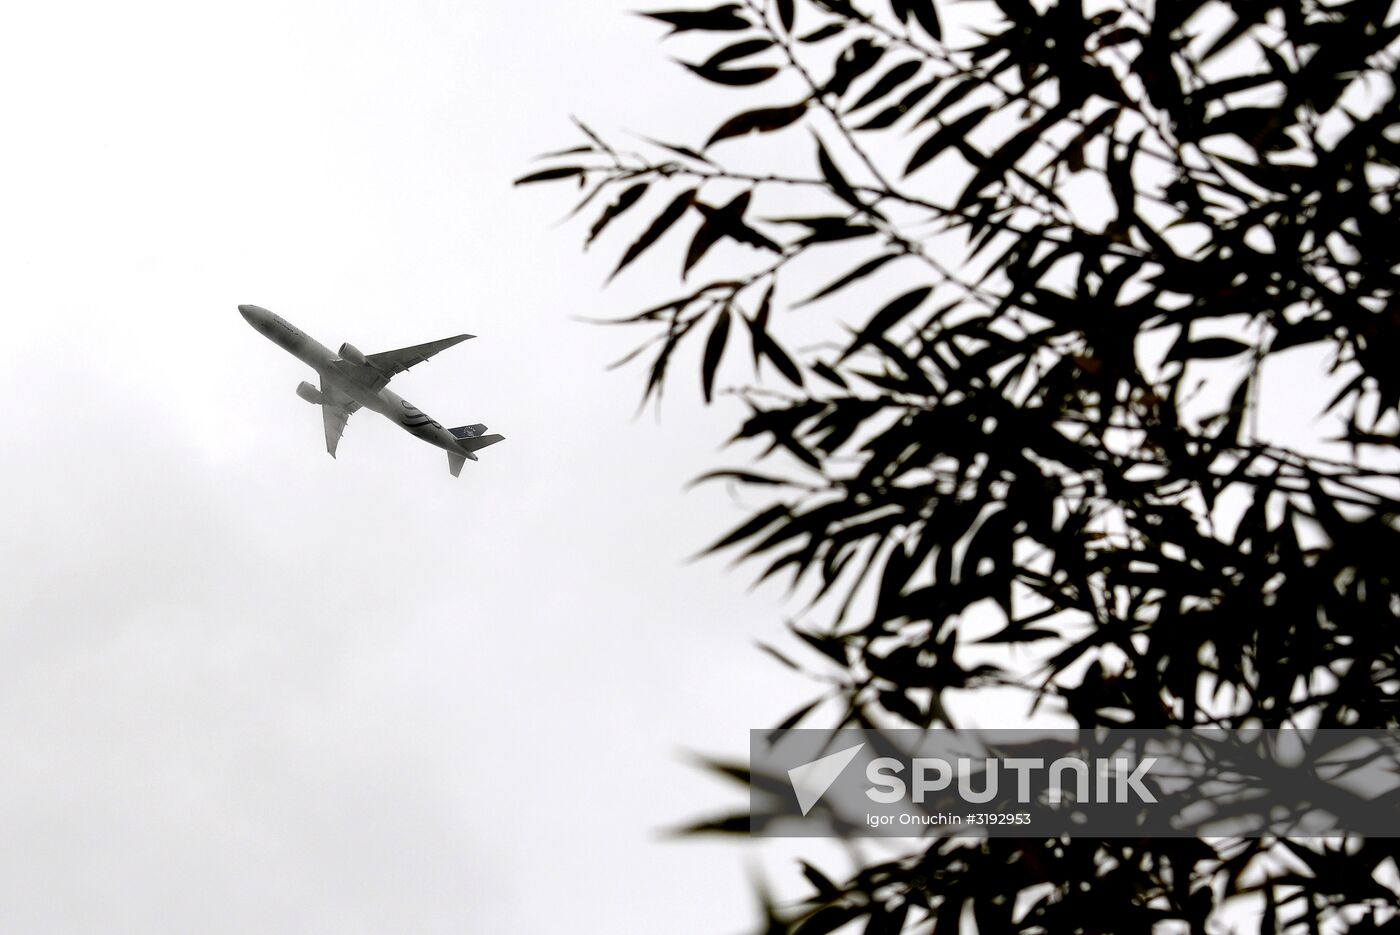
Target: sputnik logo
(811, 780)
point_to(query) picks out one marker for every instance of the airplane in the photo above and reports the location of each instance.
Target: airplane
(351, 380)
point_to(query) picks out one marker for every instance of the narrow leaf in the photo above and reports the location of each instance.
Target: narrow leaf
(685, 151)
(1207, 349)
(706, 237)
(714, 350)
(733, 77)
(774, 352)
(738, 50)
(795, 718)
(887, 317)
(860, 272)
(763, 120)
(752, 527)
(663, 223)
(786, 14)
(744, 477)
(835, 179)
(825, 371)
(927, 15)
(779, 656)
(549, 175)
(946, 136)
(825, 32)
(887, 83)
(615, 210)
(892, 113)
(724, 18)
(765, 346)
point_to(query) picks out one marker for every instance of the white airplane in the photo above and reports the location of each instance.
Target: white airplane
(350, 380)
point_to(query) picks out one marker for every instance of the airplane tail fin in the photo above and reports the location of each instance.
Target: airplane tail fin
(472, 439)
(468, 431)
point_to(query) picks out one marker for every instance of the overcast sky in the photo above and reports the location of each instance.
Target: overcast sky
(247, 688)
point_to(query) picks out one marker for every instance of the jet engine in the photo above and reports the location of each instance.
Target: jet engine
(309, 393)
(351, 353)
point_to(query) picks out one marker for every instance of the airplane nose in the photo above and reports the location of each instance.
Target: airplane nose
(252, 314)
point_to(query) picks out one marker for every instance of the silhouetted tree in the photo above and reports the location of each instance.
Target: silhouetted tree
(1075, 259)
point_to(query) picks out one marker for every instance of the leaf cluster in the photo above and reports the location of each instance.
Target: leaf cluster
(1044, 408)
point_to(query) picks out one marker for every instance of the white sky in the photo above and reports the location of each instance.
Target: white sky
(246, 688)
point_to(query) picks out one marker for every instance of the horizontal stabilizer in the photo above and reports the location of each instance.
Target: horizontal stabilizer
(472, 445)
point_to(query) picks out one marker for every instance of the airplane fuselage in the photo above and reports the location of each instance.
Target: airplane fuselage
(349, 378)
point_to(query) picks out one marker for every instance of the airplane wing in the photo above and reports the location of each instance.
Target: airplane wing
(335, 412)
(390, 363)
(334, 420)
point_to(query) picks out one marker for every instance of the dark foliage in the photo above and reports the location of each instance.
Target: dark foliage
(1073, 251)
